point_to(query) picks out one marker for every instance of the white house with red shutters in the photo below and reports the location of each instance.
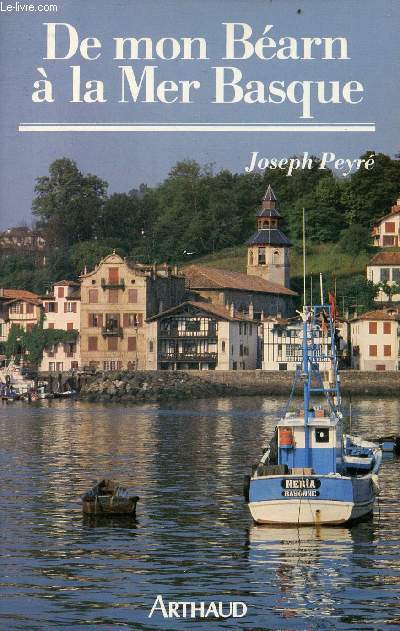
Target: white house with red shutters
(386, 232)
(375, 338)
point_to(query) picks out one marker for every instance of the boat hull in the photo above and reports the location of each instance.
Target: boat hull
(312, 500)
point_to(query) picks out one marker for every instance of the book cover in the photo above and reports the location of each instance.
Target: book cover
(162, 164)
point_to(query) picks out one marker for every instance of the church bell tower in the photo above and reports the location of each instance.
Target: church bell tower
(268, 248)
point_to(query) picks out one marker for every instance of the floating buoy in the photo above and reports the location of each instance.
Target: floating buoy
(286, 437)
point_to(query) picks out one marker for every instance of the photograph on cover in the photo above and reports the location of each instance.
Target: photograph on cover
(199, 314)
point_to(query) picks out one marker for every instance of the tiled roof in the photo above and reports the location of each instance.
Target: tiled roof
(267, 236)
(385, 258)
(379, 314)
(268, 212)
(67, 283)
(20, 294)
(216, 310)
(211, 278)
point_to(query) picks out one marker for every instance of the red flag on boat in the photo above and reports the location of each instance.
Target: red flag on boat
(332, 303)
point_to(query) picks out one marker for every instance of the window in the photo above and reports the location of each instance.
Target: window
(250, 329)
(92, 343)
(50, 307)
(74, 365)
(390, 226)
(387, 350)
(52, 366)
(387, 328)
(322, 435)
(112, 321)
(60, 292)
(16, 308)
(95, 319)
(69, 349)
(59, 366)
(193, 325)
(29, 307)
(113, 296)
(241, 350)
(385, 274)
(132, 296)
(70, 307)
(261, 256)
(113, 275)
(373, 328)
(70, 326)
(93, 296)
(223, 347)
(380, 367)
(133, 320)
(373, 350)
(131, 344)
(151, 346)
(112, 343)
(396, 275)
(387, 240)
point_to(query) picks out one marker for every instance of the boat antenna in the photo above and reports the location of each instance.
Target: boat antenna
(304, 258)
(321, 288)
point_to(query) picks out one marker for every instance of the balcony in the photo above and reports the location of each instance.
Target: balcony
(112, 331)
(188, 357)
(110, 285)
(208, 335)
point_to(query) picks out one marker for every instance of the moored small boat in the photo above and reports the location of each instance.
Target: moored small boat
(109, 498)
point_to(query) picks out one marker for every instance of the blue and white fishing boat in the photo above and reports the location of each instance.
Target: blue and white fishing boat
(313, 473)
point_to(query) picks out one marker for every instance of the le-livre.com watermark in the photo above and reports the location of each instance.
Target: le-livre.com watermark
(26, 7)
(199, 610)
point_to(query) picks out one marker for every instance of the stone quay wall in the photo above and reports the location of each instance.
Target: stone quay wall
(161, 385)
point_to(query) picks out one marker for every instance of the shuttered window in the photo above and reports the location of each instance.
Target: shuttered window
(92, 343)
(113, 275)
(131, 343)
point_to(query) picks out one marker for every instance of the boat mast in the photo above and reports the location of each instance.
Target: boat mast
(306, 371)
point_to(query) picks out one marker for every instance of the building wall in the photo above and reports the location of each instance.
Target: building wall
(384, 273)
(282, 346)
(386, 233)
(375, 351)
(62, 311)
(237, 345)
(276, 268)
(126, 296)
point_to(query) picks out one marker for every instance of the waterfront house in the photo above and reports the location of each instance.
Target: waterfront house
(386, 231)
(116, 299)
(20, 307)
(282, 344)
(384, 267)
(62, 312)
(201, 336)
(375, 337)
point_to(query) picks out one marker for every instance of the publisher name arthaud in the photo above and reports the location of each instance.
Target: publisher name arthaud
(193, 609)
(328, 160)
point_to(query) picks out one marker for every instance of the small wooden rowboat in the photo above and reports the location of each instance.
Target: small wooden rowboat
(109, 498)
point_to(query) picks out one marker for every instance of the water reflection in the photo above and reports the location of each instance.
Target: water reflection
(193, 539)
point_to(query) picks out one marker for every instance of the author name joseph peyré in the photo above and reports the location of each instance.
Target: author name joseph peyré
(328, 160)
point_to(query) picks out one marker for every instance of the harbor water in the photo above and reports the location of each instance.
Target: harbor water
(194, 539)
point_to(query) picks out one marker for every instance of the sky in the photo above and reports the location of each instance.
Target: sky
(125, 160)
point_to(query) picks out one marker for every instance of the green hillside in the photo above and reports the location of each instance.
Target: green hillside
(327, 258)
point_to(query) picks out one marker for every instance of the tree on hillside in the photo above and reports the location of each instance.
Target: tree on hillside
(68, 203)
(370, 193)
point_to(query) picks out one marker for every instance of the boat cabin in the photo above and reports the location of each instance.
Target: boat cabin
(316, 445)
